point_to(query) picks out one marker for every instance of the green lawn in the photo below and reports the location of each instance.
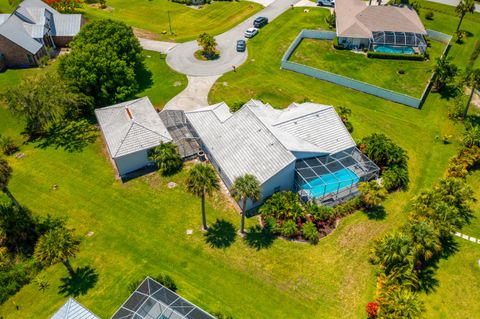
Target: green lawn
(322, 55)
(187, 23)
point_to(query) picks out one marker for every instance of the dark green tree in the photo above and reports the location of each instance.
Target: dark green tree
(473, 81)
(244, 188)
(167, 158)
(464, 7)
(5, 176)
(444, 73)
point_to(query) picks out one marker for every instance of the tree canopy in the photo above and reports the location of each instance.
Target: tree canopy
(167, 158)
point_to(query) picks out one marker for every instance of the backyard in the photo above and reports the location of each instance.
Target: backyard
(186, 22)
(408, 77)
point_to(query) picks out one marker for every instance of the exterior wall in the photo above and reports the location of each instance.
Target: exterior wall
(62, 42)
(2, 62)
(354, 42)
(132, 162)
(16, 56)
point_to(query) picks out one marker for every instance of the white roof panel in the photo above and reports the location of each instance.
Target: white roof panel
(73, 310)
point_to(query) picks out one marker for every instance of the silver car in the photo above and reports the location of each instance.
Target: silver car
(251, 32)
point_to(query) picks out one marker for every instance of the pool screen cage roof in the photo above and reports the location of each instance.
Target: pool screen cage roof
(151, 300)
(395, 38)
(317, 178)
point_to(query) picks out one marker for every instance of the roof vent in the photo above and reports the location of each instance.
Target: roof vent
(129, 113)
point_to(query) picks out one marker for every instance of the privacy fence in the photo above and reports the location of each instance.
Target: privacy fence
(351, 83)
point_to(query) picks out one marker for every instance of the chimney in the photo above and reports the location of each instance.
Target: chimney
(129, 113)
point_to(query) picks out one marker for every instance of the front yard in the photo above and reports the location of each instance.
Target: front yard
(408, 77)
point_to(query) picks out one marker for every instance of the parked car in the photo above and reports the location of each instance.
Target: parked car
(241, 46)
(326, 3)
(251, 32)
(260, 22)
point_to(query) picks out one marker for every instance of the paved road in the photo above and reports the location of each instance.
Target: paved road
(181, 58)
(454, 3)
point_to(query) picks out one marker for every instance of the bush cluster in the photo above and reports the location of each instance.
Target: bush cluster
(7, 145)
(337, 45)
(391, 158)
(395, 56)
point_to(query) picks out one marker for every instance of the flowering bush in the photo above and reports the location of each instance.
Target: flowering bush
(64, 6)
(372, 309)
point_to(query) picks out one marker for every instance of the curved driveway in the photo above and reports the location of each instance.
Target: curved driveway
(181, 58)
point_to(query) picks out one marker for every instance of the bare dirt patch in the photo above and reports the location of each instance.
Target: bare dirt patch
(145, 34)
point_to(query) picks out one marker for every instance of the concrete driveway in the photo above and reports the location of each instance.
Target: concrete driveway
(181, 58)
(454, 3)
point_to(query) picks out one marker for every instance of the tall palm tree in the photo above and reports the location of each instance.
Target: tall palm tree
(167, 158)
(464, 7)
(202, 181)
(426, 242)
(57, 245)
(472, 80)
(244, 188)
(5, 175)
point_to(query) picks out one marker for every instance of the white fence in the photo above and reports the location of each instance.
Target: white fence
(351, 83)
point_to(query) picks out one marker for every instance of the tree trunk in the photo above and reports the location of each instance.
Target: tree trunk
(14, 201)
(242, 224)
(204, 218)
(370, 3)
(66, 262)
(468, 104)
(460, 22)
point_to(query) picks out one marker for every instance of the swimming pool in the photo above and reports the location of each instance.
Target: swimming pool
(396, 50)
(330, 183)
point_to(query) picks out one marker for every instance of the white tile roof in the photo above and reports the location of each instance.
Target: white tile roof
(131, 126)
(261, 140)
(356, 19)
(67, 24)
(73, 310)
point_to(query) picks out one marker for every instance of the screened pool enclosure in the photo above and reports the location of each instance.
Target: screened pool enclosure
(392, 40)
(151, 300)
(332, 179)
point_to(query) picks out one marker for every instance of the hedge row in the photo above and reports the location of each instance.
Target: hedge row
(395, 56)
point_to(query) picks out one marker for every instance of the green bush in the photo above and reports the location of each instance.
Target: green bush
(7, 145)
(309, 232)
(349, 207)
(395, 56)
(166, 281)
(167, 158)
(429, 15)
(321, 212)
(395, 177)
(283, 206)
(337, 45)
(289, 228)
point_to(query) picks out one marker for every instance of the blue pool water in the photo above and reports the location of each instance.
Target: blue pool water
(330, 183)
(396, 50)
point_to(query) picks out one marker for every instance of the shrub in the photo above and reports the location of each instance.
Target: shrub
(283, 206)
(289, 228)
(321, 212)
(372, 193)
(395, 56)
(270, 223)
(456, 109)
(236, 106)
(167, 158)
(330, 20)
(383, 151)
(429, 15)
(349, 207)
(372, 309)
(309, 232)
(475, 53)
(166, 281)
(7, 145)
(337, 45)
(395, 177)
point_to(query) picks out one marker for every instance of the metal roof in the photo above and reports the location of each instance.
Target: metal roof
(131, 126)
(261, 140)
(14, 30)
(73, 310)
(67, 24)
(151, 300)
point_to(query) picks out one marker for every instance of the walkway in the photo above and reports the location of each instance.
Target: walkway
(466, 237)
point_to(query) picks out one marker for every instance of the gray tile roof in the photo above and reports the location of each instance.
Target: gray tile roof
(67, 24)
(14, 30)
(131, 126)
(261, 140)
(73, 310)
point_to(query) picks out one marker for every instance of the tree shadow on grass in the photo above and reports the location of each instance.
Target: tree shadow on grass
(72, 136)
(144, 77)
(427, 283)
(83, 280)
(449, 92)
(221, 234)
(376, 213)
(259, 238)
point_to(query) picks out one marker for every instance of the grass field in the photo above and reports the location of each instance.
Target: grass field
(187, 23)
(322, 55)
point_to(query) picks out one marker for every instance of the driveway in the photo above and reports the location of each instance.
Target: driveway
(181, 58)
(195, 94)
(454, 3)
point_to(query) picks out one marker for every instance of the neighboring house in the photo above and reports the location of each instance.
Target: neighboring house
(151, 300)
(379, 28)
(130, 130)
(32, 30)
(73, 310)
(304, 148)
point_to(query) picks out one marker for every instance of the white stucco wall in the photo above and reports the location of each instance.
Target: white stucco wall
(132, 162)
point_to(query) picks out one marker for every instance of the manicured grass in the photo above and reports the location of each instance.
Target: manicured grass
(187, 23)
(322, 55)
(418, 131)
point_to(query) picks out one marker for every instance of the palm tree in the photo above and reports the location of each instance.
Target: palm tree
(372, 193)
(473, 80)
(426, 242)
(444, 72)
(57, 245)
(202, 181)
(400, 302)
(393, 252)
(246, 187)
(5, 175)
(167, 158)
(464, 7)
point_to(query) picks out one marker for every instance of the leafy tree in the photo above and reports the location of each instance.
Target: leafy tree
(372, 193)
(399, 302)
(5, 175)
(383, 151)
(344, 112)
(283, 206)
(17, 229)
(464, 7)
(167, 158)
(472, 80)
(331, 20)
(444, 73)
(57, 245)
(310, 232)
(105, 61)
(244, 188)
(208, 44)
(202, 181)
(44, 100)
